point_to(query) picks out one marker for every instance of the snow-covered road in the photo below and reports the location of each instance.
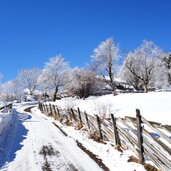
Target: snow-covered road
(36, 144)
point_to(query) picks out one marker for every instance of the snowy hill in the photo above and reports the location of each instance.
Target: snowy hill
(154, 106)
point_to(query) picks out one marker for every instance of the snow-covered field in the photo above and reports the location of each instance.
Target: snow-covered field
(33, 131)
(154, 106)
(28, 133)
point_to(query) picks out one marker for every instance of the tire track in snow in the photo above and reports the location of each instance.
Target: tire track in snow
(63, 163)
(89, 153)
(33, 140)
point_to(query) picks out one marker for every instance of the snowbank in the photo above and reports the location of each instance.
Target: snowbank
(154, 106)
(2, 104)
(5, 120)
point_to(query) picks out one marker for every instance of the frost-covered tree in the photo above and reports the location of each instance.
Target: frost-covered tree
(105, 60)
(15, 89)
(166, 61)
(139, 65)
(44, 87)
(53, 74)
(28, 78)
(130, 79)
(10, 91)
(80, 82)
(163, 71)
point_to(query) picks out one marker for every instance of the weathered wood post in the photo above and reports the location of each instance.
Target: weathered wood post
(140, 137)
(46, 109)
(73, 115)
(51, 111)
(54, 110)
(99, 127)
(58, 112)
(79, 114)
(43, 108)
(86, 116)
(39, 106)
(115, 129)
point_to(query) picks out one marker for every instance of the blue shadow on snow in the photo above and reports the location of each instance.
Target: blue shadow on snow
(13, 138)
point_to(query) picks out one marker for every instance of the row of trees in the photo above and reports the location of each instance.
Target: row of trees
(146, 67)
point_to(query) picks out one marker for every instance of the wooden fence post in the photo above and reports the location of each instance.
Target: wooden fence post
(51, 112)
(73, 115)
(54, 110)
(39, 106)
(58, 112)
(140, 137)
(116, 134)
(79, 114)
(46, 109)
(87, 119)
(99, 127)
(43, 108)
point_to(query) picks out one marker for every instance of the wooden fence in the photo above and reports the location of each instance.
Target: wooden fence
(130, 133)
(6, 107)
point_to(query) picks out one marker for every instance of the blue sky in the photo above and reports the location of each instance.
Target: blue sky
(31, 31)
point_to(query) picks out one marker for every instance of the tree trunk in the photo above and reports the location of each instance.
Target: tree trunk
(55, 94)
(169, 79)
(112, 83)
(31, 92)
(145, 88)
(114, 90)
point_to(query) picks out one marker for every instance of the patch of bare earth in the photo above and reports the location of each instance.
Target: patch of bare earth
(148, 167)
(48, 152)
(93, 156)
(29, 109)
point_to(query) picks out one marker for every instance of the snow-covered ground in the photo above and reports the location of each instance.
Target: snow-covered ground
(154, 106)
(30, 141)
(6, 125)
(2, 104)
(5, 120)
(35, 143)
(111, 157)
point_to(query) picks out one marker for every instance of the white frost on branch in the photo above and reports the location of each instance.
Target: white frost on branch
(105, 61)
(53, 74)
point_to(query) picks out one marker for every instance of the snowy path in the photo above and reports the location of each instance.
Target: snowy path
(38, 145)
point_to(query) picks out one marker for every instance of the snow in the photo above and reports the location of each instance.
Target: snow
(30, 98)
(2, 104)
(154, 106)
(31, 133)
(25, 134)
(5, 119)
(112, 158)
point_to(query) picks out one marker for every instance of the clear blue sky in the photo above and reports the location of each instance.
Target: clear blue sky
(31, 31)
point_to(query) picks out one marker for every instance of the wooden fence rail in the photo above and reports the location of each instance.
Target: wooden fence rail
(6, 107)
(129, 133)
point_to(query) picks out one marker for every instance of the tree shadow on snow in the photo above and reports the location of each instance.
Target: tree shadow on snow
(14, 138)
